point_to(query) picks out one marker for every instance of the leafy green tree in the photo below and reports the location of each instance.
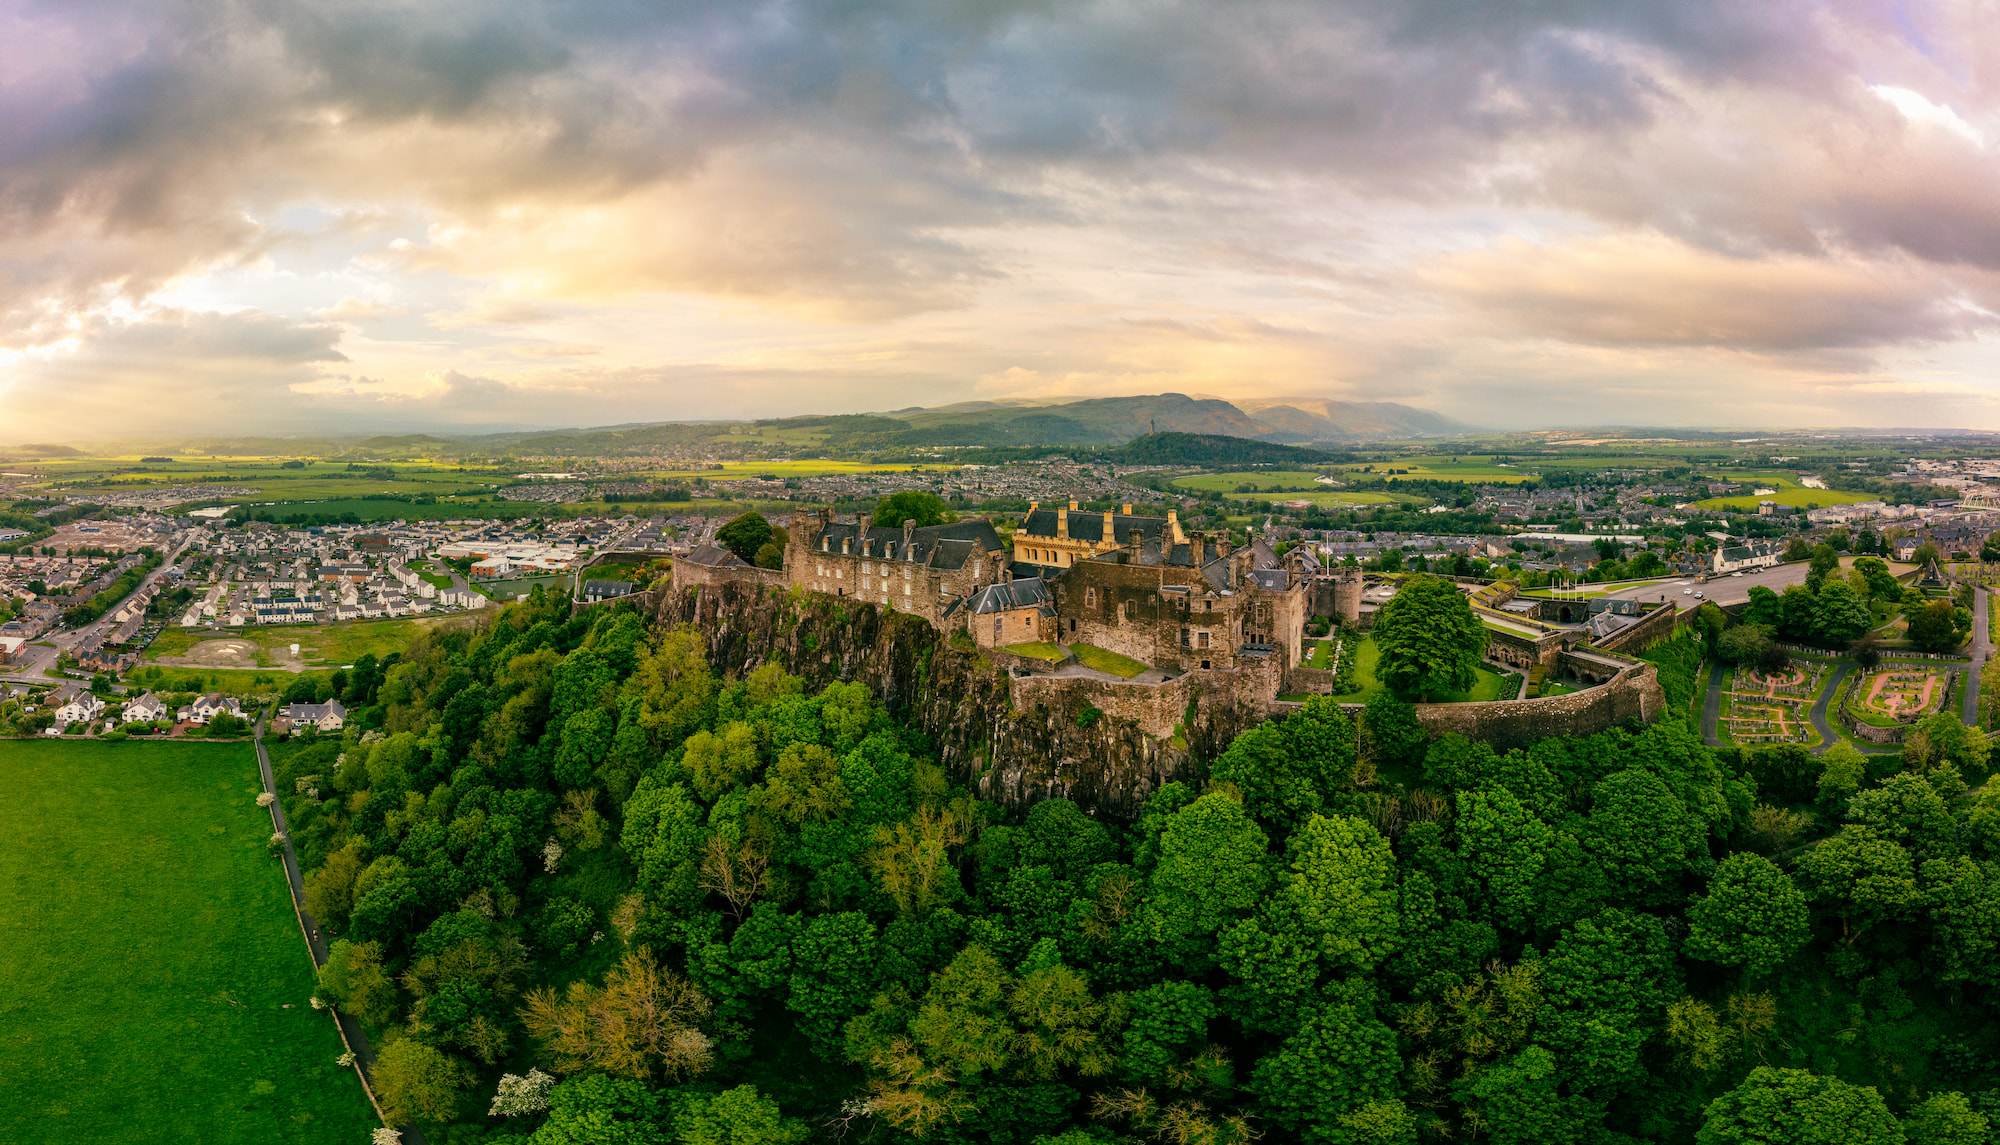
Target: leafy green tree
(415, 1081)
(1753, 916)
(1394, 735)
(1931, 626)
(1964, 909)
(1906, 808)
(744, 535)
(769, 556)
(1506, 848)
(1947, 1118)
(1865, 879)
(1604, 987)
(1825, 559)
(599, 1109)
(926, 509)
(1743, 644)
(1211, 873)
(1765, 608)
(1641, 834)
(1882, 584)
(1839, 615)
(1339, 1065)
(1794, 1107)
(1843, 769)
(1286, 770)
(1428, 640)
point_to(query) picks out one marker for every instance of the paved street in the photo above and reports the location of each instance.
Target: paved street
(1724, 589)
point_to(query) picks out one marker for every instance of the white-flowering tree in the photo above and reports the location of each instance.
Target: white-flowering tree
(265, 799)
(552, 854)
(385, 1136)
(522, 1095)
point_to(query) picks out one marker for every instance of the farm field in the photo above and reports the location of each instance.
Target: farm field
(148, 954)
(320, 645)
(1441, 467)
(1788, 492)
(317, 481)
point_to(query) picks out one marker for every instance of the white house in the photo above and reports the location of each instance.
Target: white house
(147, 707)
(1730, 558)
(208, 707)
(327, 717)
(82, 708)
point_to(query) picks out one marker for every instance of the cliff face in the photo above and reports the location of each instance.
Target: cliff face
(957, 697)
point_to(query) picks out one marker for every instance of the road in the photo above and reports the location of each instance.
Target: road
(357, 1038)
(33, 671)
(1980, 648)
(1724, 589)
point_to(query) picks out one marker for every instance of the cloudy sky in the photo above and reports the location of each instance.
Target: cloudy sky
(260, 215)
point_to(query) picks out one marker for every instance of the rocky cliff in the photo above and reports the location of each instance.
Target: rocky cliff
(1061, 746)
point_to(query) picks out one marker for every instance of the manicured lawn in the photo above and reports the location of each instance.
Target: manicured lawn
(1319, 654)
(1786, 492)
(147, 954)
(1036, 651)
(1105, 660)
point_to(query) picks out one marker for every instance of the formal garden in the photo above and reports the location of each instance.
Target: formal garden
(1898, 694)
(153, 979)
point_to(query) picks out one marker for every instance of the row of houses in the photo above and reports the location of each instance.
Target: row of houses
(77, 706)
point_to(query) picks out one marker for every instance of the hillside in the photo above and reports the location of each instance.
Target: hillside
(1209, 451)
(1321, 420)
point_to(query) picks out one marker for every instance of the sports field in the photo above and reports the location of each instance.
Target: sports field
(153, 982)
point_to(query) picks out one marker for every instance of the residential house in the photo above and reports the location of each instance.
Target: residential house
(1013, 612)
(327, 717)
(210, 706)
(147, 707)
(81, 708)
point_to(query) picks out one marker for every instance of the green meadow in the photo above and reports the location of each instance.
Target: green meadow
(153, 982)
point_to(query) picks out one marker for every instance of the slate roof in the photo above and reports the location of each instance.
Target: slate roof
(313, 713)
(715, 557)
(1086, 525)
(934, 546)
(1012, 595)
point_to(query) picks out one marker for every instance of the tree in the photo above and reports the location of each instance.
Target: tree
(1947, 1118)
(1392, 729)
(1825, 559)
(1286, 770)
(1882, 585)
(640, 1023)
(744, 535)
(415, 1081)
(1428, 640)
(1765, 609)
(1794, 1107)
(1797, 548)
(1743, 644)
(926, 509)
(769, 556)
(1839, 615)
(1932, 628)
(1753, 916)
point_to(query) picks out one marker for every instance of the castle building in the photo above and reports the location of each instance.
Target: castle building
(1059, 538)
(928, 571)
(1183, 606)
(1012, 612)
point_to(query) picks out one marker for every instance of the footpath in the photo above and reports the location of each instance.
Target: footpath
(350, 1029)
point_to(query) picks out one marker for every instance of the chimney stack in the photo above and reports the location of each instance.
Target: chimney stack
(1197, 544)
(1062, 522)
(1125, 509)
(909, 536)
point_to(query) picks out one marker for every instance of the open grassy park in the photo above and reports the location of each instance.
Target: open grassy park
(1784, 491)
(1490, 685)
(149, 954)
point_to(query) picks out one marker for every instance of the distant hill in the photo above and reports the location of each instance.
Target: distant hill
(1210, 451)
(1307, 419)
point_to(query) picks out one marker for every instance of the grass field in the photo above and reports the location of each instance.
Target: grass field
(148, 953)
(1036, 650)
(1105, 660)
(1786, 492)
(320, 645)
(233, 682)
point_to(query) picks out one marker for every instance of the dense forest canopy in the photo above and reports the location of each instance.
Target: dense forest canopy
(586, 891)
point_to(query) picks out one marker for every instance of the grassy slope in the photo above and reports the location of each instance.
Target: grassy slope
(1105, 660)
(147, 949)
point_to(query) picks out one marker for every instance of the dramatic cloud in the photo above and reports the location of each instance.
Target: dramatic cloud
(377, 213)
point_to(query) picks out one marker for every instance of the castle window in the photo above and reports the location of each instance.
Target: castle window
(1090, 598)
(996, 628)
(1201, 640)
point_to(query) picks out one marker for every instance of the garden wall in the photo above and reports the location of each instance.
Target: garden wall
(1655, 625)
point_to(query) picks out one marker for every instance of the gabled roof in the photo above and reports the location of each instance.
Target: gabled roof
(1011, 595)
(715, 558)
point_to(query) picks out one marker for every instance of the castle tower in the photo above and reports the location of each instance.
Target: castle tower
(1347, 594)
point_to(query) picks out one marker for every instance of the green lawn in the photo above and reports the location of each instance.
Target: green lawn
(320, 645)
(147, 953)
(1788, 492)
(1319, 654)
(1036, 651)
(1105, 660)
